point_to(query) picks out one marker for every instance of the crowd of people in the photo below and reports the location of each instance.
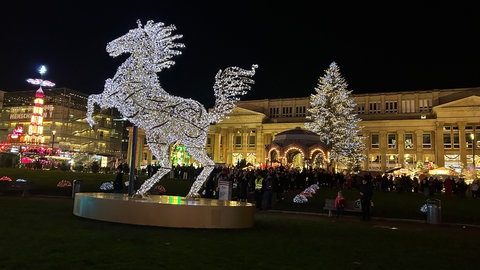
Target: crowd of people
(268, 185)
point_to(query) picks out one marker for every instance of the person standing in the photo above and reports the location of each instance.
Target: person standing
(340, 203)
(243, 187)
(366, 194)
(258, 191)
(268, 190)
(118, 183)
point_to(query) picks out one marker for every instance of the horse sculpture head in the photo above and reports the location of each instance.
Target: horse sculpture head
(152, 43)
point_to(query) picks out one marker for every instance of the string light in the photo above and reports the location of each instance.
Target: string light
(167, 119)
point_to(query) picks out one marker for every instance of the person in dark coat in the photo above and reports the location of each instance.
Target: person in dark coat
(366, 194)
(118, 183)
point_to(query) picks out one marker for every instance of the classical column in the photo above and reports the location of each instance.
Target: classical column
(401, 147)
(439, 151)
(383, 149)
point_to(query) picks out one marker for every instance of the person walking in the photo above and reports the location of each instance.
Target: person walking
(366, 194)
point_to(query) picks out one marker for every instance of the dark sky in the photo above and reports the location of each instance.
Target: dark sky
(378, 47)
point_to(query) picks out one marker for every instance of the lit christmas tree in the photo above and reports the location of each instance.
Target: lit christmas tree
(333, 118)
(35, 129)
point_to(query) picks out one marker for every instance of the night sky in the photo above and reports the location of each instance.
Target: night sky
(378, 47)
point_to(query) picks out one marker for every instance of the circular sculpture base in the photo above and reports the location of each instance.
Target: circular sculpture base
(165, 211)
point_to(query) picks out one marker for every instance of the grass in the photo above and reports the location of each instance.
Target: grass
(38, 232)
(387, 204)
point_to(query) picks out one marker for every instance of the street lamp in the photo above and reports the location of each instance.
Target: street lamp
(53, 139)
(472, 136)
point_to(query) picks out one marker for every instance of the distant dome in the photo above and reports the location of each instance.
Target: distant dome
(299, 135)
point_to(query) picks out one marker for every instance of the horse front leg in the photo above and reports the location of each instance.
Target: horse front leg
(201, 156)
(201, 178)
(160, 151)
(148, 184)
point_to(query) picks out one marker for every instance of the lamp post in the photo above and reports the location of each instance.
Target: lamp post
(472, 136)
(53, 139)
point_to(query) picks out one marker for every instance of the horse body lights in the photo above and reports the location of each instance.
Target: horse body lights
(136, 92)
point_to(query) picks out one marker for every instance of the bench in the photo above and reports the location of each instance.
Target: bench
(350, 206)
(15, 188)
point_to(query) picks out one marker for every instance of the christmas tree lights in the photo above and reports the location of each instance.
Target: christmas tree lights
(167, 119)
(332, 117)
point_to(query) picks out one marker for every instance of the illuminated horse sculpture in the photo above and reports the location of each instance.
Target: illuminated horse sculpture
(136, 92)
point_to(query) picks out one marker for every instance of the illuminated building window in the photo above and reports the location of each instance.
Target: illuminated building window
(408, 141)
(392, 141)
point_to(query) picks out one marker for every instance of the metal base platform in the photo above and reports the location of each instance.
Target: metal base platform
(165, 211)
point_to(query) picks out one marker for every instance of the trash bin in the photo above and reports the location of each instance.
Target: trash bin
(76, 187)
(434, 211)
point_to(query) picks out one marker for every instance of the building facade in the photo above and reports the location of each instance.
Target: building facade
(402, 129)
(66, 132)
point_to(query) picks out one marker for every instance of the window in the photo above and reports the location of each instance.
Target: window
(374, 162)
(209, 141)
(361, 108)
(427, 141)
(451, 137)
(425, 105)
(391, 107)
(392, 141)
(287, 111)
(251, 139)
(300, 111)
(374, 107)
(456, 140)
(274, 112)
(447, 141)
(469, 139)
(238, 141)
(375, 141)
(408, 106)
(408, 141)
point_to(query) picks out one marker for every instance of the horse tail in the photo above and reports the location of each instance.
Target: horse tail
(92, 99)
(230, 85)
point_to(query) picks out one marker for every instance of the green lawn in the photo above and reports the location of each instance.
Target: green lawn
(42, 233)
(387, 204)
